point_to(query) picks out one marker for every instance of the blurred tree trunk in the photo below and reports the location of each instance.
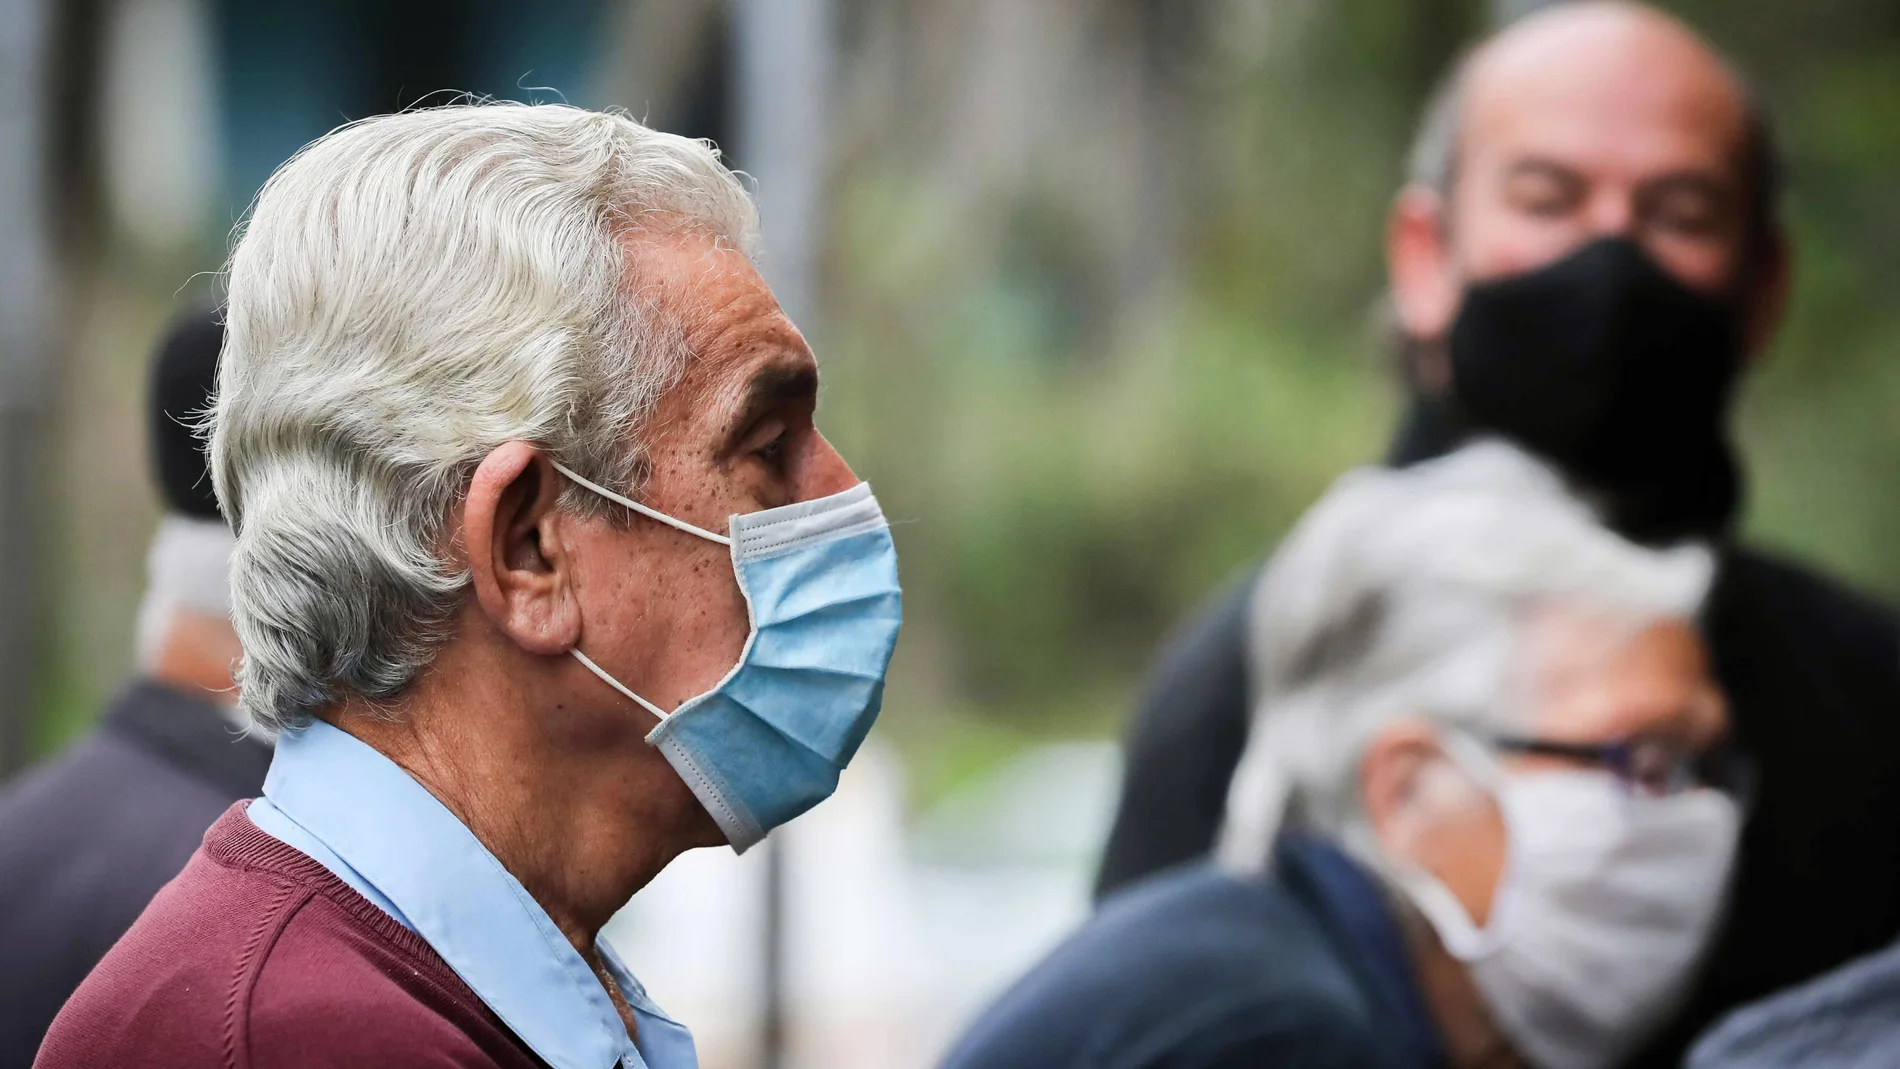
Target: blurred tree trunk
(25, 372)
(1441, 29)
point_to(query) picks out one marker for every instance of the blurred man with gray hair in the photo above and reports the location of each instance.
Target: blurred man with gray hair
(1486, 815)
(88, 838)
(544, 575)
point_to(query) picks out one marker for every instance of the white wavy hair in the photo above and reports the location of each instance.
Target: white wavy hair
(1404, 593)
(409, 292)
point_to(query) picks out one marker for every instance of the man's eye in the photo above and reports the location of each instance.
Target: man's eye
(1546, 204)
(1543, 196)
(773, 452)
(1691, 222)
(1692, 212)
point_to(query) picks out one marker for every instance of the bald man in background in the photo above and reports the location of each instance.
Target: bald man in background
(87, 838)
(1586, 257)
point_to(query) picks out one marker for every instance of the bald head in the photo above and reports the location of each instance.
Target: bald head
(1585, 120)
(1618, 84)
(1590, 41)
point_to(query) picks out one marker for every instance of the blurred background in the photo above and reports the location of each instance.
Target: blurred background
(1096, 286)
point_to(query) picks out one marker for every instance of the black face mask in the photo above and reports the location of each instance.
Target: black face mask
(1607, 365)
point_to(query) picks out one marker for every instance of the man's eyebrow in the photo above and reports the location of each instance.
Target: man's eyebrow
(1714, 185)
(1544, 165)
(771, 388)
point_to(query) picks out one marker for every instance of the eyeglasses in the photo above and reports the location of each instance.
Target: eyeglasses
(1648, 765)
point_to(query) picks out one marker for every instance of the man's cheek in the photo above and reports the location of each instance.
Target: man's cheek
(717, 618)
(1516, 243)
(1704, 265)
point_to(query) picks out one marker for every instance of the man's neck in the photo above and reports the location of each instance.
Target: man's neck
(1471, 1040)
(582, 811)
(614, 994)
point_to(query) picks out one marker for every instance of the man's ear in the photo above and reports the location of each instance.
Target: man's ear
(1767, 295)
(1419, 264)
(1428, 813)
(1393, 781)
(517, 549)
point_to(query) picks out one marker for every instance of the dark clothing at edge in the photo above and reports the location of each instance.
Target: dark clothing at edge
(87, 839)
(1812, 672)
(1202, 969)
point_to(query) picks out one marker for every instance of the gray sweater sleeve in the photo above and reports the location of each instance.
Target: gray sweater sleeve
(1846, 1019)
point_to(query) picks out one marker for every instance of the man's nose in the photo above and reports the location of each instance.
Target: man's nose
(826, 474)
(1612, 214)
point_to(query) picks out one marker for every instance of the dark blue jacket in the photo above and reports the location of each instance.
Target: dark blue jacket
(88, 838)
(1199, 969)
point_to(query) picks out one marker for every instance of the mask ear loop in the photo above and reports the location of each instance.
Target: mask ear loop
(1461, 936)
(616, 684)
(649, 513)
(652, 514)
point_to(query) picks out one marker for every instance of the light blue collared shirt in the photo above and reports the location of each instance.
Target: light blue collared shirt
(362, 817)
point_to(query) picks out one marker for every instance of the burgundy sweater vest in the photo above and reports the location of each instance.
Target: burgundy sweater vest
(257, 957)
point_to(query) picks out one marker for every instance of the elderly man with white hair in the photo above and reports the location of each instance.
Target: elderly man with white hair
(1486, 815)
(544, 576)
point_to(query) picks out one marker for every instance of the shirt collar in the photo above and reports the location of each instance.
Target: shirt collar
(389, 832)
(1355, 909)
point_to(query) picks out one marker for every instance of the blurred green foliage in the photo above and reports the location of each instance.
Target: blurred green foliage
(1075, 460)
(1073, 479)
(1819, 419)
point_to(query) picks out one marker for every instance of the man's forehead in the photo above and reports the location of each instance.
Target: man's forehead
(1603, 85)
(1572, 646)
(728, 314)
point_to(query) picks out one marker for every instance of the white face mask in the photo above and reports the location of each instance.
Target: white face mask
(1606, 902)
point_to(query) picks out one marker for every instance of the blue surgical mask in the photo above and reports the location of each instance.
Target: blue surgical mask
(768, 741)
